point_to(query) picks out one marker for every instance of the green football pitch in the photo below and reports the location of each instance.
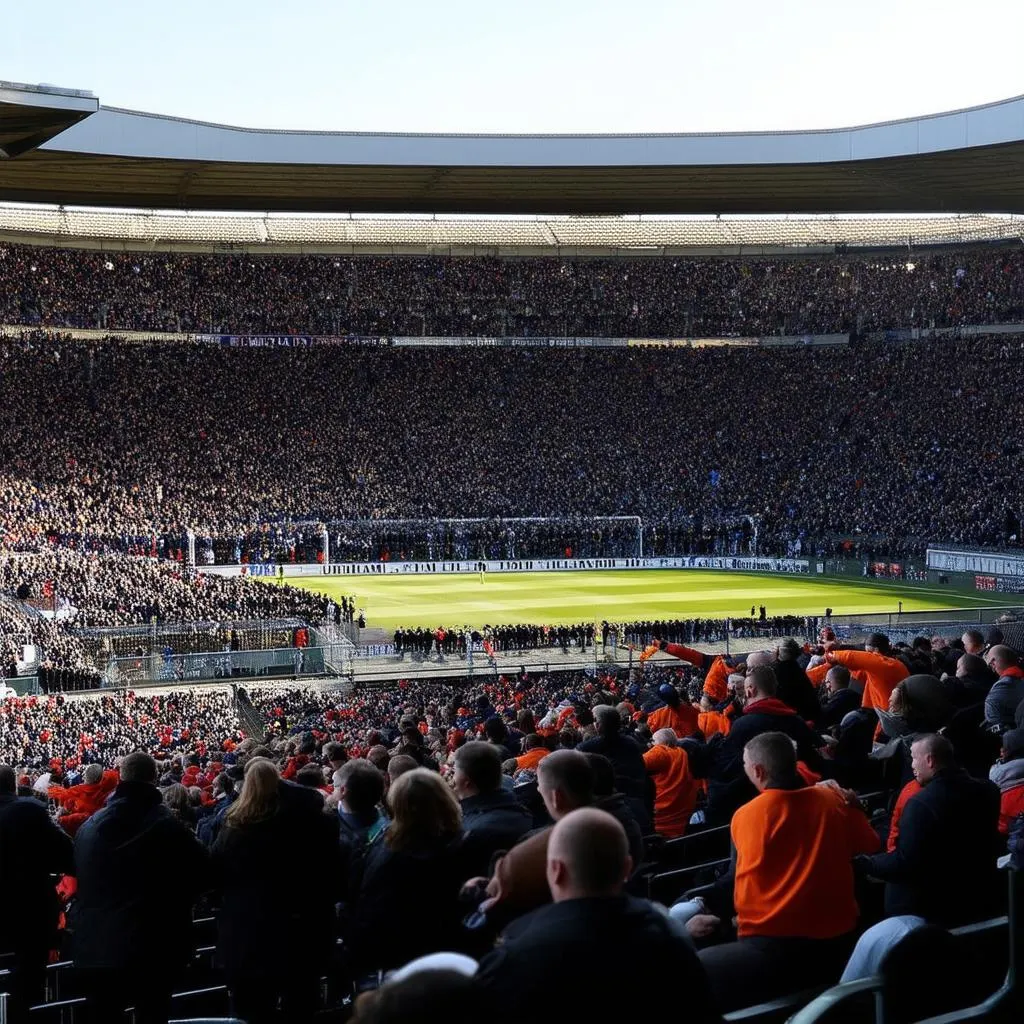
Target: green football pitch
(396, 601)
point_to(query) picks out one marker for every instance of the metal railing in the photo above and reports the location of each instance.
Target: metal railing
(215, 666)
(1006, 1003)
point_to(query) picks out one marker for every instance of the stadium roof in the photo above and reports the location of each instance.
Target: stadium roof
(32, 115)
(444, 235)
(963, 161)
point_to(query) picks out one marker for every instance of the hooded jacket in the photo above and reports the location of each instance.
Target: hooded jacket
(728, 786)
(1004, 698)
(138, 869)
(1009, 777)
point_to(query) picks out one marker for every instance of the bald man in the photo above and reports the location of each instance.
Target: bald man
(675, 788)
(1007, 691)
(950, 830)
(544, 969)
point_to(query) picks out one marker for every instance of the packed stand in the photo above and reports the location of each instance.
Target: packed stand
(671, 297)
(125, 447)
(112, 590)
(548, 811)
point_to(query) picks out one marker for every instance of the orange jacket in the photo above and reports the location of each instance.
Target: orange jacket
(883, 674)
(911, 789)
(716, 682)
(531, 758)
(682, 720)
(1011, 803)
(675, 789)
(818, 673)
(794, 863)
(711, 723)
(87, 797)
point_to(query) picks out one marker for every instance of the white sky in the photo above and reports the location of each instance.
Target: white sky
(523, 66)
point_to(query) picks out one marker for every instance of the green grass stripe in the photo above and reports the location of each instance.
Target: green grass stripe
(555, 597)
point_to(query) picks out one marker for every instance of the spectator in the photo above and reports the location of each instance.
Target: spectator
(950, 828)
(493, 820)
(841, 699)
(565, 782)
(674, 714)
(972, 681)
(626, 757)
(793, 687)
(589, 921)
(607, 798)
(794, 883)
(728, 785)
(1007, 691)
(405, 905)
(1008, 775)
(32, 849)
(270, 823)
(881, 668)
(535, 751)
(675, 794)
(118, 853)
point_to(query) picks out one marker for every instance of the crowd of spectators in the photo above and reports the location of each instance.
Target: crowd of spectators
(642, 297)
(439, 815)
(444, 640)
(71, 590)
(57, 655)
(113, 590)
(452, 801)
(119, 447)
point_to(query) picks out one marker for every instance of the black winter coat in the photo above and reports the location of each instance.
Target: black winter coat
(622, 811)
(837, 707)
(406, 906)
(543, 972)
(796, 690)
(278, 881)
(631, 778)
(722, 762)
(944, 866)
(491, 822)
(32, 850)
(139, 871)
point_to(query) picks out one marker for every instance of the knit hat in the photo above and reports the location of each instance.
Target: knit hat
(1013, 744)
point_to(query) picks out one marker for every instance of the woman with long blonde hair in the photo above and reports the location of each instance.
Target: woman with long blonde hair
(424, 810)
(260, 795)
(406, 901)
(277, 861)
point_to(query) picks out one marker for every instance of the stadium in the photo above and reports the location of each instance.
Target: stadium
(563, 550)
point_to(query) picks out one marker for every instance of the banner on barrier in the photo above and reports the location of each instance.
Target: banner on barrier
(428, 341)
(288, 340)
(985, 563)
(728, 563)
(737, 564)
(265, 570)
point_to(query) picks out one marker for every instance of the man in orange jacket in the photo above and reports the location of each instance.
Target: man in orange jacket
(675, 789)
(675, 713)
(793, 891)
(717, 668)
(81, 802)
(882, 669)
